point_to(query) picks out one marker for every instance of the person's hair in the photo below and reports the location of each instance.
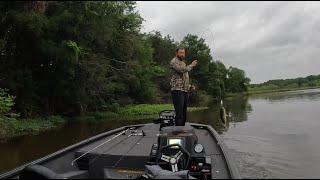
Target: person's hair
(179, 48)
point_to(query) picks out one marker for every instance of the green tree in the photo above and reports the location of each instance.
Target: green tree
(73, 57)
(196, 47)
(163, 51)
(237, 80)
(6, 102)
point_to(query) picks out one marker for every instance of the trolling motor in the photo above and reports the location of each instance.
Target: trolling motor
(166, 118)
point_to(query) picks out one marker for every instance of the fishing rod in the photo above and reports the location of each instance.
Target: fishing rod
(223, 113)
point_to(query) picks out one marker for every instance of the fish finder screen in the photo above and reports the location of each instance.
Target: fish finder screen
(175, 141)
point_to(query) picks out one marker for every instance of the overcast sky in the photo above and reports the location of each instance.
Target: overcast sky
(269, 40)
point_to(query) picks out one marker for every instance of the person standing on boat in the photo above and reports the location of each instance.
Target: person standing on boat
(180, 85)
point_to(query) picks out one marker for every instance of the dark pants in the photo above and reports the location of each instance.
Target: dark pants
(180, 102)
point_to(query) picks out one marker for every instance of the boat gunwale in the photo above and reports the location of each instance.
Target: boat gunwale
(233, 171)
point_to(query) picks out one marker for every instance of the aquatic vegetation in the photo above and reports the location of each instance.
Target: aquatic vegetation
(132, 112)
(11, 127)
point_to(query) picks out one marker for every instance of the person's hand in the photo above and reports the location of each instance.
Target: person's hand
(194, 63)
(192, 88)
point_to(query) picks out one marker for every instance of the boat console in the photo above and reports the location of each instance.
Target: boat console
(178, 149)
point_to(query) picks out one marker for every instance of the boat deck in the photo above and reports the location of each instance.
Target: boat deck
(137, 150)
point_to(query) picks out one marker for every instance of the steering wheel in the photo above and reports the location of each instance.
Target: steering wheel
(173, 160)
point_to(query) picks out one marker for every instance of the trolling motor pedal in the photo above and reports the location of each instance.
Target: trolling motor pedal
(166, 118)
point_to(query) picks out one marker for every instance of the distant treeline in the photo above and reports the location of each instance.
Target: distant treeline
(301, 82)
(70, 58)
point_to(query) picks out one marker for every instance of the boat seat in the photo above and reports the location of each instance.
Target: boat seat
(158, 173)
(111, 173)
(42, 172)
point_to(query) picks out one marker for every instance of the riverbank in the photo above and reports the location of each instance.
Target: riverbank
(11, 127)
(266, 91)
(280, 90)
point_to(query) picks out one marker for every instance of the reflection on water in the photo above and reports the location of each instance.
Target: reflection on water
(237, 110)
(278, 136)
(270, 135)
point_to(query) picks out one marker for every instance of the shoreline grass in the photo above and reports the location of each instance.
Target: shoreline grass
(131, 112)
(11, 127)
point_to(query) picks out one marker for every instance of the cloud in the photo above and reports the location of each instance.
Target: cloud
(269, 40)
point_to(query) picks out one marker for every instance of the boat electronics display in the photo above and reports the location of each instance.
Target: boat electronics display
(175, 141)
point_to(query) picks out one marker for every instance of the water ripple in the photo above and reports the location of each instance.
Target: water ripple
(256, 157)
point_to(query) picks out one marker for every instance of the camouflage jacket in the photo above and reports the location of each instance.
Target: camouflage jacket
(180, 76)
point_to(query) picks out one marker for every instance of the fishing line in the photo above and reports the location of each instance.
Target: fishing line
(122, 156)
(72, 163)
(94, 159)
(222, 111)
(121, 133)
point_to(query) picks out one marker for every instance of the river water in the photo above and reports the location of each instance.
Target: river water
(270, 136)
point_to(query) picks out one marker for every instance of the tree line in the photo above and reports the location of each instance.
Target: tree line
(300, 82)
(70, 58)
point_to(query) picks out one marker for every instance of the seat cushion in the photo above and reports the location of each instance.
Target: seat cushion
(39, 172)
